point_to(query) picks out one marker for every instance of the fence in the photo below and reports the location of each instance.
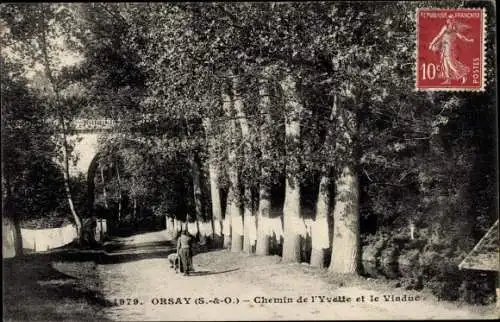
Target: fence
(272, 226)
(41, 240)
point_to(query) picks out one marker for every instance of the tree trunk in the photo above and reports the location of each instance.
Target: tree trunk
(119, 194)
(18, 238)
(291, 209)
(11, 217)
(5, 186)
(320, 235)
(227, 237)
(104, 194)
(170, 224)
(216, 202)
(91, 185)
(247, 221)
(213, 174)
(120, 208)
(262, 245)
(67, 190)
(197, 223)
(134, 209)
(345, 248)
(291, 222)
(233, 207)
(320, 238)
(66, 179)
(245, 136)
(233, 196)
(197, 194)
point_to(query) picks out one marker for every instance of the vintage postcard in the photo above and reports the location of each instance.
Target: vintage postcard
(246, 161)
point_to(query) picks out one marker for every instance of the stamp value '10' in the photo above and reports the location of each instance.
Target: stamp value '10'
(450, 49)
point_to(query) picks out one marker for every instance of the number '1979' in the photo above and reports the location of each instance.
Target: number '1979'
(127, 301)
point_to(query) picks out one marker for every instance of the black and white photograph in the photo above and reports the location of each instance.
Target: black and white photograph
(248, 161)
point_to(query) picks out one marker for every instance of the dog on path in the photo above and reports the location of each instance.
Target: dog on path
(174, 261)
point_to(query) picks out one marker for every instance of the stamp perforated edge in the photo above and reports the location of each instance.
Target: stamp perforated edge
(483, 52)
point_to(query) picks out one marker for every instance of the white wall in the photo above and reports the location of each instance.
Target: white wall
(41, 240)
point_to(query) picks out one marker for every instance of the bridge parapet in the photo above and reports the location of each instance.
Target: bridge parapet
(94, 124)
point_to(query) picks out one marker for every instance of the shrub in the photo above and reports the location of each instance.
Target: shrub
(388, 261)
(409, 268)
(370, 256)
(440, 274)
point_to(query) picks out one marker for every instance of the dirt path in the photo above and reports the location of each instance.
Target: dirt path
(244, 282)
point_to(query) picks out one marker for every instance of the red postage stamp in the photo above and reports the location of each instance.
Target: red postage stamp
(450, 49)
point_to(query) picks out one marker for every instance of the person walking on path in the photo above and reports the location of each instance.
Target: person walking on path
(184, 249)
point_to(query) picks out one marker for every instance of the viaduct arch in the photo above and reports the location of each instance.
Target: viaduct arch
(87, 133)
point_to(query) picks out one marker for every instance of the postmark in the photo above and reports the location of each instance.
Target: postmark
(450, 49)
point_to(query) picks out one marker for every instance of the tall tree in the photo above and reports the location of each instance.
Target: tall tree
(234, 199)
(214, 177)
(265, 144)
(320, 240)
(246, 134)
(292, 207)
(34, 31)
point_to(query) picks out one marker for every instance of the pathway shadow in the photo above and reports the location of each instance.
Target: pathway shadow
(203, 273)
(117, 258)
(119, 245)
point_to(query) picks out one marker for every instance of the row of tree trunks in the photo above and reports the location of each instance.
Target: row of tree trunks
(233, 107)
(345, 246)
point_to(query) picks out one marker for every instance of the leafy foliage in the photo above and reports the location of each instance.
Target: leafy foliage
(31, 182)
